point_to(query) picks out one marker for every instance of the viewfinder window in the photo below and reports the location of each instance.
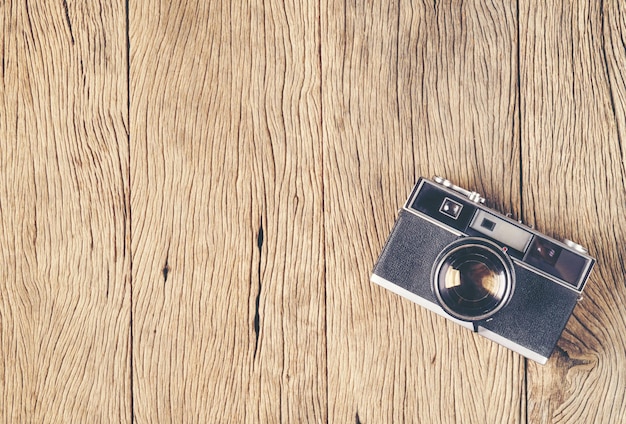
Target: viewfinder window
(556, 260)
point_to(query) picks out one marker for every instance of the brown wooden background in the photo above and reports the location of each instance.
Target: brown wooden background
(193, 194)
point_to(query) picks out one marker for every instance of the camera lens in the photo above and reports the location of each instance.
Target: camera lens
(472, 279)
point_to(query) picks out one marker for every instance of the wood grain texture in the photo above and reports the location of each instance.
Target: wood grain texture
(228, 276)
(573, 69)
(64, 193)
(193, 195)
(411, 89)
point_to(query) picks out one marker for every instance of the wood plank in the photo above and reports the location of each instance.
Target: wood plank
(573, 91)
(228, 287)
(409, 90)
(64, 195)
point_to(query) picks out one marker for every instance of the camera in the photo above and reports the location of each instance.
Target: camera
(453, 255)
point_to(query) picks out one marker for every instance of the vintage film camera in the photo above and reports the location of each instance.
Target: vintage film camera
(507, 282)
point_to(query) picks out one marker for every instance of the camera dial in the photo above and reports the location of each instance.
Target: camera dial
(472, 195)
(472, 279)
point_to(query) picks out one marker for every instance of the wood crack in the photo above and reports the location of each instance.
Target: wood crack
(257, 316)
(68, 20)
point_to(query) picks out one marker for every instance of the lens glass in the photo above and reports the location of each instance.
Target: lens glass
(472, 281)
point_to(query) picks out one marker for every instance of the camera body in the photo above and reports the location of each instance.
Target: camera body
(451, 254)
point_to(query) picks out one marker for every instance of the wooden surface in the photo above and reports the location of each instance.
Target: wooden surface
(193, 195)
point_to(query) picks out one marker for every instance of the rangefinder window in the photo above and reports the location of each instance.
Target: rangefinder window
(430, 200)
(451, 208)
